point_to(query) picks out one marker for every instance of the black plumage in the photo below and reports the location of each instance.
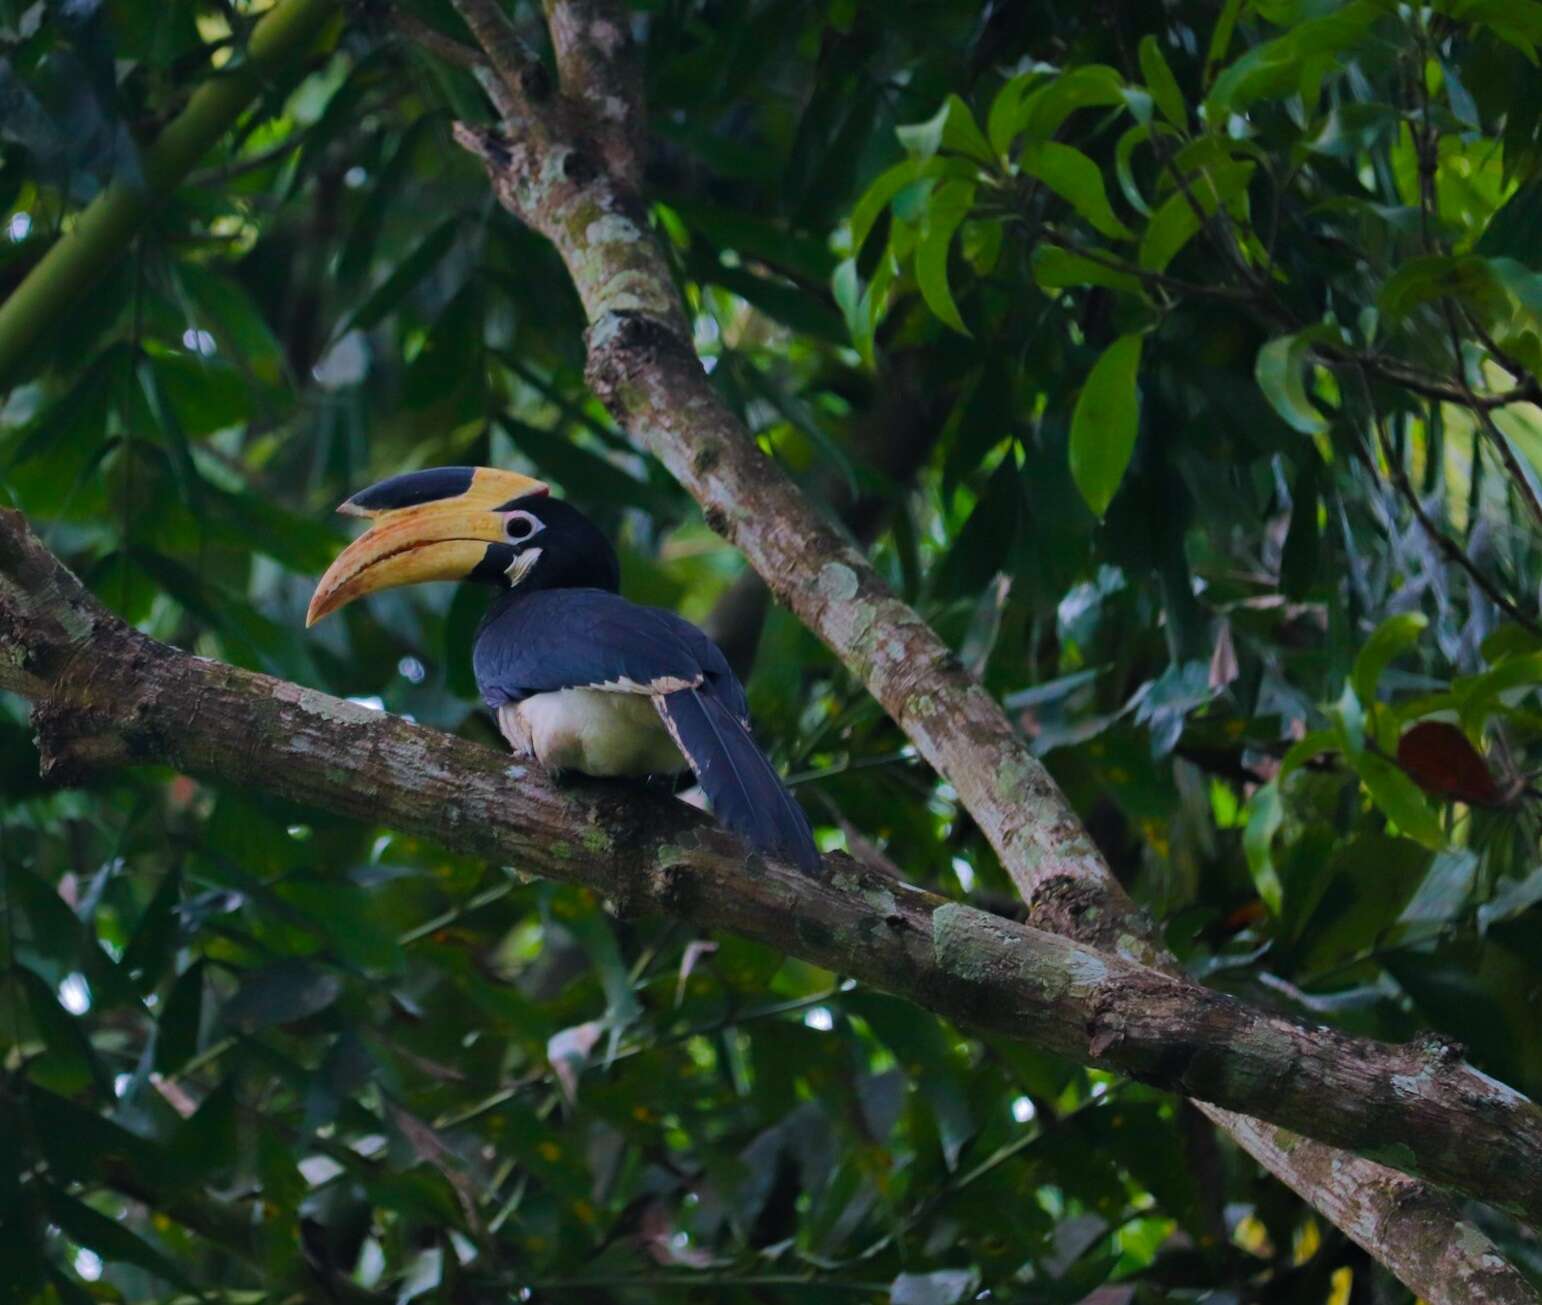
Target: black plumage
(539, 643)
(562, 626)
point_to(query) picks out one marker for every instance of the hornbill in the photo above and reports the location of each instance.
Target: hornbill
(581, 679)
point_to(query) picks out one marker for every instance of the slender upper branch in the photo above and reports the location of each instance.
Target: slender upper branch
(642, 366)
(516, 66)
(593, 44)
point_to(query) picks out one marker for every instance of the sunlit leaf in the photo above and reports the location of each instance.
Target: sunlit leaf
(1077, 180)
(1056, 268)
(1398, 798)
(1161, 82)
(1391, 638)
(1178, 219)
(948, 208)
(1105, 423)
(1280, 372)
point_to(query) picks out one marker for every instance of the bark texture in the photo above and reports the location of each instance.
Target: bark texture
(554, 167)
(577, 160)
(105, 694)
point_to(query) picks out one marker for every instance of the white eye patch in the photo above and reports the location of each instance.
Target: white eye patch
(521, 526)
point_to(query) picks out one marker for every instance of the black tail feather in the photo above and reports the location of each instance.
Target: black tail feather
(746, 793)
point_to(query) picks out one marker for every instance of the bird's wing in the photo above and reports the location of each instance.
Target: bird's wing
(746, 793)
(589, 638)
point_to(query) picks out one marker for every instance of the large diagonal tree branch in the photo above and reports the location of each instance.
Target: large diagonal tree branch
(563, 179)
(1411, 1229)
(105, 695)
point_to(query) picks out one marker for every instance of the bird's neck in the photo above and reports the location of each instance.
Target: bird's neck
(505, 600)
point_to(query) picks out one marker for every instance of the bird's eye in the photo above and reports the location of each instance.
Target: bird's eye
(521, 526)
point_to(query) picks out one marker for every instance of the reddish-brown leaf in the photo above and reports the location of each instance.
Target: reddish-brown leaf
(1244, 917)
(1440, 760)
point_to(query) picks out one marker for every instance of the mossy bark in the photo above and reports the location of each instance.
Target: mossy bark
(643, 368)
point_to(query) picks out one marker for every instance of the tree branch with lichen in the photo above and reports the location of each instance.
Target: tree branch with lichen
(104, 694)
(560, 180)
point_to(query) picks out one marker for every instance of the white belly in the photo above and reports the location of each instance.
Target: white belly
(592, 731)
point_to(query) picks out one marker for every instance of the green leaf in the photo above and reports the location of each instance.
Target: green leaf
(1391, 638)
(1124, 153)
(846, 288)
(949, 206)
(876, 198)
(1161, 82)
(1105, 423)
(1092, 85)
(109, 1238)
(1077, 180)
(153, 945)
(923, 139)
(1431, 276)
(80, 1144)
(358, 248)
(1351, 129)
(181, 1021)
(1315, 744)
(1055, 268)
(1522, 283)
(174, 438)
(891, 183)
(1005, 119)
(425, 256)
(1280, 372)
(981, 244)
(952, 127)
(68, 1064)
(1271, 69)
(1276, 67)
(1513, 897)
(223, 308)
(1266, 812)
(1481, 695)
(962, 134)
(207, 394)
(1220, 36)
(1398, 798)
(1515, 229)
(1175, 222)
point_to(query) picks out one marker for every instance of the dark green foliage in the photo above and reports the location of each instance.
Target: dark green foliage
(1143, 451)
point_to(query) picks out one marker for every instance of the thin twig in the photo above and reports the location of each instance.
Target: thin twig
(1430, 387)
(253, 163)
(435, 41)
(1452, 550)
(1512, 464)
(515, 64)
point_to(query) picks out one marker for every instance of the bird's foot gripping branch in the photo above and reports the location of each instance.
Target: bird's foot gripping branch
(103, 694)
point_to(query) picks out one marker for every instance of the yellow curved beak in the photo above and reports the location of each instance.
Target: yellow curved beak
(425, 525)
